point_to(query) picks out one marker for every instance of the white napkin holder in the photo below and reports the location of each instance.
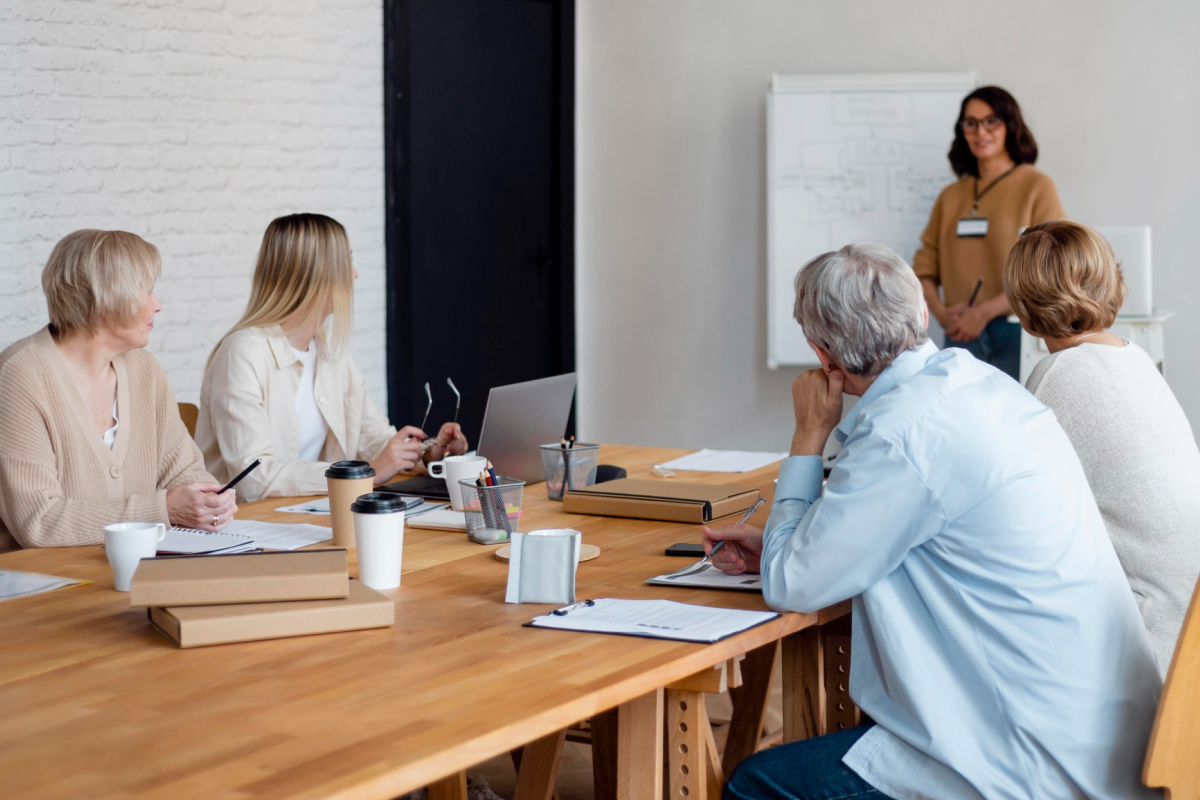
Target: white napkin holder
(541, 566)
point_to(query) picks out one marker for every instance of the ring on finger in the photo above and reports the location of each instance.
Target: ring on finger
(216, 519)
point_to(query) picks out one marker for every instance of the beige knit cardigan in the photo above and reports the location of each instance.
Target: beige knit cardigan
(59, 483)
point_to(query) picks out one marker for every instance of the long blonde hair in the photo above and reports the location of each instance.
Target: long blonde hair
(303, 272)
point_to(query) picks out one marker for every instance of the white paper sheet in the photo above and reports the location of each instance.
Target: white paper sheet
(656, 619)
(711, 578)
(277, 536)
(724, 461)
(318, 506)
(22, 584)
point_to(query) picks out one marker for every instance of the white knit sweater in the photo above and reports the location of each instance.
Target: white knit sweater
(1143, 465)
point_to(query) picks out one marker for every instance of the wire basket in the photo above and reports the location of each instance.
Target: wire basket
(493, 512)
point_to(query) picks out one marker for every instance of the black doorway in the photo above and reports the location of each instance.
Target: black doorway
(479, 136)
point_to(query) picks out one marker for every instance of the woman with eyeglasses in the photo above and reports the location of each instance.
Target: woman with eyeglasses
(281, 386)
(975, 223)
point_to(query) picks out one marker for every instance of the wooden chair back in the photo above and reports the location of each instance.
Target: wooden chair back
(189, 413)
(1173, 757)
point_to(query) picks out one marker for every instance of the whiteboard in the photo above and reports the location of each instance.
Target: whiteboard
(850, 158)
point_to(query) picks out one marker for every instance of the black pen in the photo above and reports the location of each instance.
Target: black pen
(974, 294)
(241, 475)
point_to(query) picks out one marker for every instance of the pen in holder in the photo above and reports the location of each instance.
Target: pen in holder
(569, 467)
(493, 512)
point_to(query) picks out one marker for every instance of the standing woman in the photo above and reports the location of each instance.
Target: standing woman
(281, 386)
(975, 223)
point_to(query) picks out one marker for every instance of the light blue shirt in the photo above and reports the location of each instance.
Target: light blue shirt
(996, 640)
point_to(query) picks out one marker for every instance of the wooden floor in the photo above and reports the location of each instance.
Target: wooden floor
(575, 770)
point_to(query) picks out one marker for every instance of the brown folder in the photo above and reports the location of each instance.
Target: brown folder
(196, 626)
(666, 500)
(240, 578)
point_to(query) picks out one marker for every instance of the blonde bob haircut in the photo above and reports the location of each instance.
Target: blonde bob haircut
(303, 274)
(98, 278)
(1062, 279)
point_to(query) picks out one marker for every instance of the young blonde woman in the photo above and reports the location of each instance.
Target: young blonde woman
(1131, 435)
(281, 385)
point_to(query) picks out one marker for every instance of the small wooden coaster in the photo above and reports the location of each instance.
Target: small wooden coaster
(586, 552)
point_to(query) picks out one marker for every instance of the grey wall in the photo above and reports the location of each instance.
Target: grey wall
(672, 200)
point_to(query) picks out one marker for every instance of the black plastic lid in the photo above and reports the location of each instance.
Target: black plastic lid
(378, 503)
(349, 470)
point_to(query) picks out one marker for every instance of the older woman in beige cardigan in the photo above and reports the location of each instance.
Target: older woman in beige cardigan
(91, 432)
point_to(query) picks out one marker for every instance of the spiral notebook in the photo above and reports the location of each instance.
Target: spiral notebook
(187, 541)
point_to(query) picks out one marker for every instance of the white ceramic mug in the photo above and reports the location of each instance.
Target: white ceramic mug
(453, 469)
(126, 544)
(379, 537)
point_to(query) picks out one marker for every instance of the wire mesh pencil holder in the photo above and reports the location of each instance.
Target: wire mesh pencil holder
(493, 512)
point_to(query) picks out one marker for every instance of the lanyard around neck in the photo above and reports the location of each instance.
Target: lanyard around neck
(979, 195)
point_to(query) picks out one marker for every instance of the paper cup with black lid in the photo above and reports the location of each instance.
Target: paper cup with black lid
(347, 481)
(379, 530)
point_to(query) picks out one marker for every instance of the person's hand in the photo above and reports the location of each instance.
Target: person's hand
(450, 442)
(402, 453)
(952, 314)
(742, 550)
(197, 505)
(817, 400)
(969, 324)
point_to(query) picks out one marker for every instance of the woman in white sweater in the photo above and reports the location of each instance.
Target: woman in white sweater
(1132, 437)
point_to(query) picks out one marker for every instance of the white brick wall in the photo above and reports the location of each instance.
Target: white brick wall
(192, 123)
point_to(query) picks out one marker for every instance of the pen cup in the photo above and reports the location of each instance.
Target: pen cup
(347, 481)
(493, 512)
(569, 468)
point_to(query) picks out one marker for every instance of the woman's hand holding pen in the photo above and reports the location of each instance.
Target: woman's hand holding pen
(742, 550)
(201, 506)
(967, 324)
(402, 453)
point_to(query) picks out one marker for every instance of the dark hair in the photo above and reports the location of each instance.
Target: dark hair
(1018, 140)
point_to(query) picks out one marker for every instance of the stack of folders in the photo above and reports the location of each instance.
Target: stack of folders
(244, 597)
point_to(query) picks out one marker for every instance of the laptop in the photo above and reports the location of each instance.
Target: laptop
(518, 419)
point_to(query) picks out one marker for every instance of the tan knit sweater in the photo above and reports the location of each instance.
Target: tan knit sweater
(59, 484)
(1026, 197)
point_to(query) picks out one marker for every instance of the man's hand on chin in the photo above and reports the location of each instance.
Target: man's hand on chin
(817, 400)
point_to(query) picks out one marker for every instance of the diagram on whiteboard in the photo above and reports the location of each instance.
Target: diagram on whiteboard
(849, 166)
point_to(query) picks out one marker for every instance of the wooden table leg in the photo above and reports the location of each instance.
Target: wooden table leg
(539, 767)
(451, 787)
(639, 747)
(803, 684)
(693, 766)
(840, 711)
(749, 706)
(604, 755)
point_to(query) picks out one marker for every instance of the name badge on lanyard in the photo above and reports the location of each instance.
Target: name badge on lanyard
(972, 227)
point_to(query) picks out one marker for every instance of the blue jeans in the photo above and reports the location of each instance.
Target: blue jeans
(999, 344)
(811, 769)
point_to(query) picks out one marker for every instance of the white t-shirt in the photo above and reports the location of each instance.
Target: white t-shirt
(312, 425)
(110, 435)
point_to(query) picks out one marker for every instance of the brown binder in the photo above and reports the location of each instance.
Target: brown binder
(666, 500)
(196, 626)
(240, 578)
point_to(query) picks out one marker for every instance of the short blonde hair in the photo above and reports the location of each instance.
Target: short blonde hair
(1062, 278)
(303, 272)
(96, 278)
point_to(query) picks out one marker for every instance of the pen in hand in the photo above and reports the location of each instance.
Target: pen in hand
(750, 512)
(241, 475)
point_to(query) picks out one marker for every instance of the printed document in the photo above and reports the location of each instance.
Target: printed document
(655, 619)
(724, 461)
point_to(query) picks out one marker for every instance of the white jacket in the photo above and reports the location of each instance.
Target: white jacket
(248, 411)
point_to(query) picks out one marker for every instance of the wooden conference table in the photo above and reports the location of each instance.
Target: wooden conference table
(94, 703)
